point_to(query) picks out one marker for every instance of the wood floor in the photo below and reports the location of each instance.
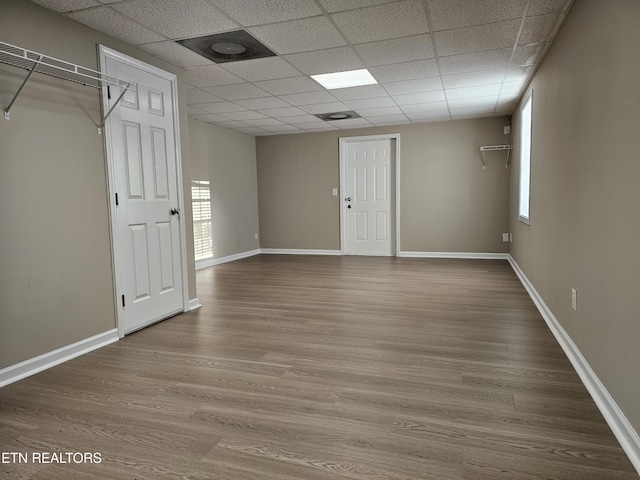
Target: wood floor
(324, 368)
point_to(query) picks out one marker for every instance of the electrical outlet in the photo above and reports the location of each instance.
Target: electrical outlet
(335, 192)
(256, 236)
(510, 238)
(574, 299)
(505, 237)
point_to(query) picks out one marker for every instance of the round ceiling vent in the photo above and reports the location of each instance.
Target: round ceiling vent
(228, 48)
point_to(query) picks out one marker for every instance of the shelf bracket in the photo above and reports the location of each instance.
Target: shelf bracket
(104, 120)
(490, 148)
(7, 116)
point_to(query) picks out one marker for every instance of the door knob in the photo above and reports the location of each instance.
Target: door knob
(348, 206)
(175, 211)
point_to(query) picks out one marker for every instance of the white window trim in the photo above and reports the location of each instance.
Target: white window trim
(528, 100)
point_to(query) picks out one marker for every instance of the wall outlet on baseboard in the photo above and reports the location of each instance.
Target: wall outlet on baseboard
(574, 299)
(506, 237)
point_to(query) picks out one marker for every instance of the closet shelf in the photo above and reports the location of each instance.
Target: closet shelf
(35, 62)
(491, 148)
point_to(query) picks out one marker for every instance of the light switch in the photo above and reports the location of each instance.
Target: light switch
(335, 192)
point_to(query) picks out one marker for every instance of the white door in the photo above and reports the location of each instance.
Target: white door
(369, 198)
(141, 141)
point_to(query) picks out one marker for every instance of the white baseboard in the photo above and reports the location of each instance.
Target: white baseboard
(298, 251)
(229, 258)
(47, 360)
(194, 304)
(615, 418)
(467, 255)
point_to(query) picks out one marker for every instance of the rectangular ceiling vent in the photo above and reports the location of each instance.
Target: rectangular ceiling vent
(228, 47)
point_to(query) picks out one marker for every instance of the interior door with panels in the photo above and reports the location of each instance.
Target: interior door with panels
(147, 239)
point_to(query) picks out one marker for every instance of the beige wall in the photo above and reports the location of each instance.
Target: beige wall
(585, 190)
(228, 160)
(56, 284)
(448, 202)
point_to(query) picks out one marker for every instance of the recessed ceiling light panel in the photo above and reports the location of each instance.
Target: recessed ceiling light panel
(351, 78)
(228, 47)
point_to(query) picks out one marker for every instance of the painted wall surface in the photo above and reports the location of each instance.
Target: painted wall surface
(448, 202)
(227, 159)
(56, 281)
(585, 190)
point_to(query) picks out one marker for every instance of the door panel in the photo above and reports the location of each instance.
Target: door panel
(369, 184)
(142, 136)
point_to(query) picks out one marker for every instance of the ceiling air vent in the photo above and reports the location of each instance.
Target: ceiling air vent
(227, 47)
(335, 116)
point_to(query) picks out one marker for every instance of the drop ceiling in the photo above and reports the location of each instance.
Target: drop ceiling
(434, 60)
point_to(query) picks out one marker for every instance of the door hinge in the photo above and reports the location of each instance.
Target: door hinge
(109, 92)
(123, 305)
(117, 203)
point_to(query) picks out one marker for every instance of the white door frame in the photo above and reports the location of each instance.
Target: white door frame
(103, 53)
(395, 165)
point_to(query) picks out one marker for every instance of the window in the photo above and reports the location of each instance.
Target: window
(525, 160)
(202, 229)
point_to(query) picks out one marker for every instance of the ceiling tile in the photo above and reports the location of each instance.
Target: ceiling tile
(543, 7)
(405, 71)
(210, 76)
(370, 103)
(388, 120)
(209, 118)
(262, 69)
(341, 5)
(356, 93)
(325, 108)
(381, 22)
(539, 29)
(106, 20)
(266, 102)
(263, 122)
(436, 115)
(195, 95)
(194, 111)
(515, 74)
(283, 112)
(238, 91)
(177, 18)
(470, 62)
(472, 111)
(292, 85)
(413, 86)
(219, 107)
(528, 55)
(63, 6)
(243, 115)
(478, 38)
(326, 61)
(489, 101)
(308, 98)
(282, 129)
(469, 92)
(175, 53)
(397, 50)
(377, 112)
(260, 12)
(230, 125)
(303, 35)
(511, 87)
(450, 14)
(301, 119)
(424, 107)
(350, 123)
(424, 97)
(484, 77)
(251, 130)
(317, 127)
(508, 98)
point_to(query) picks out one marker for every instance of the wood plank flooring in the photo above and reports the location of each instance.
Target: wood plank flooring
(302, 367)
